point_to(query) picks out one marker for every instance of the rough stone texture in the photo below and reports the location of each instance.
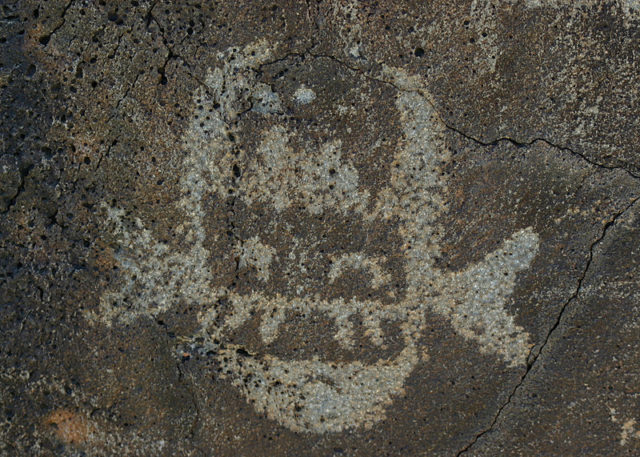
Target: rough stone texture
(319, 228)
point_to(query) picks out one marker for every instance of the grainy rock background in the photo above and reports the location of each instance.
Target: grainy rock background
(537, 102)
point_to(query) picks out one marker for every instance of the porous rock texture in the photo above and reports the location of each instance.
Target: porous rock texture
(319, 228)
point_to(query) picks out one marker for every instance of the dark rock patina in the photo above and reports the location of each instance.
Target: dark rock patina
(319, 228)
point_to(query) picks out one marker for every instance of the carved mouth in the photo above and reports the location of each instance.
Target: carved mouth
(313, 395)
(320, 396)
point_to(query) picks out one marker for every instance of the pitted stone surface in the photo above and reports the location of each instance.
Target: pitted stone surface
(317, 395)
(319, 228)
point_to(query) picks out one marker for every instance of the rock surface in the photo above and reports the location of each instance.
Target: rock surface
(321, 228)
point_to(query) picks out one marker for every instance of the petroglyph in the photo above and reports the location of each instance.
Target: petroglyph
(316, 395)
(304, 95)
(280, 176)
(156, 277)
(629, 431)
(358, 260)
(252, 252)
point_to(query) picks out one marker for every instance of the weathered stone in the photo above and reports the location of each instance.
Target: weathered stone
(319, 228)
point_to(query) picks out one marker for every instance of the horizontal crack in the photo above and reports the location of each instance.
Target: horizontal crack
(533, 359)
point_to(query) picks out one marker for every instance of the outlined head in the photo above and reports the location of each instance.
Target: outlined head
(285, 181)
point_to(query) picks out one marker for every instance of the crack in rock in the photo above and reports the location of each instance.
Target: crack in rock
(44, 39)
(518, 143)
(611, 222)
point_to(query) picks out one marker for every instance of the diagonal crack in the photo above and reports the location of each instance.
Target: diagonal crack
(533, 358)
(44, 39)
(548, 142)
(171, 52)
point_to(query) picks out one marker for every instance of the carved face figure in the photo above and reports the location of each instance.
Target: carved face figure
(283, 174)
